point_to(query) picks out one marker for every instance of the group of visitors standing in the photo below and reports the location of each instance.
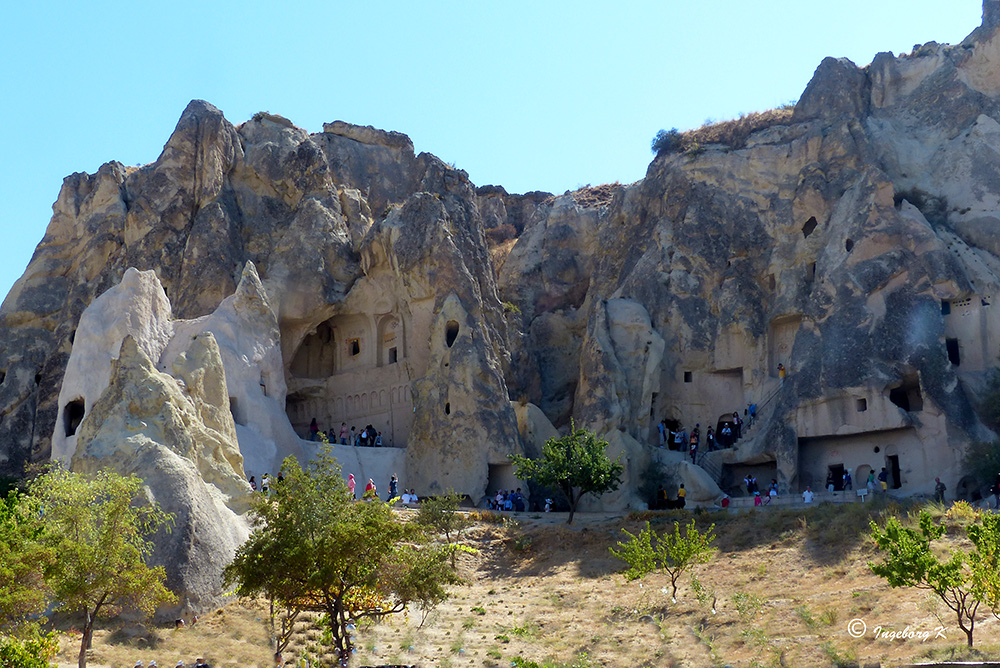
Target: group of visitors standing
(730, 431)
(366, 438)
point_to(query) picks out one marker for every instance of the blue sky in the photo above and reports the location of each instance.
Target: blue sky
(530, 96)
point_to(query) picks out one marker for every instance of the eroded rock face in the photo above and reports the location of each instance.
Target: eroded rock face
(853, 241)
(177, 435)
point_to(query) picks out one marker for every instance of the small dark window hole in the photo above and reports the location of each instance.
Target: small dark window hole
(849, 245)
(862, 405)
(450, 333)
(809, 226)
(447, 408)
(688, 376)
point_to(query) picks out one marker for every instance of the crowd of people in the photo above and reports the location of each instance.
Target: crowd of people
(508, 499)
(730, 430)
(368, 437)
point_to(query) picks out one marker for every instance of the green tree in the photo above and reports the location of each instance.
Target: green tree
(574, 465)
(23, 560)
(963, 582)
(314, 549)
(98, 528)
(440, 515)
(672, 554)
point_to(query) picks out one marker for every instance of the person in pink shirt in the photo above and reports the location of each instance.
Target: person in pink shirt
(351, 484)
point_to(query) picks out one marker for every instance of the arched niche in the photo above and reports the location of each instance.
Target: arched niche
(317, 355)
(390, 340)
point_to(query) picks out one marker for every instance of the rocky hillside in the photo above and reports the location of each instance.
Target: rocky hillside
(345, 279)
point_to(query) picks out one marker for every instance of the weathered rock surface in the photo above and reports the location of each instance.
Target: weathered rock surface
(853, 240)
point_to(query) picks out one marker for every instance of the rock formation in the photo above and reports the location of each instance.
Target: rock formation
(338, 276)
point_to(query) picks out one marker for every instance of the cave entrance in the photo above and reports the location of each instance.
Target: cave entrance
(73, 416)
(953, 354)
(501, 476)
(892, 463)
(836, 471)
(907, 394)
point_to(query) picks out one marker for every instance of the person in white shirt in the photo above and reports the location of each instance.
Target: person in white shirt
(807, 496)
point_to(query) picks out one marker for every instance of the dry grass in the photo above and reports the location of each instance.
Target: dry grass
(784, 585)
(593, 196)
(734, 133)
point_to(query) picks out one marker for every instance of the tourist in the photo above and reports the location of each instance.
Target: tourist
(201, 663)
(343, 433)
(781, 374)
(498, 500)
(265, 484)
(939, 489)
(680, 439)
(710, 439)
(378, 439)
(548, 505)
(518, 501)
(393, 482)
(757, 501)
(370, 491)
(848, 482)
(313, 430)
(180, 664)
(870, 483)
(681, 495)
(749, 484)
(351, 484)
(725, 435)
(807, 496)
(253, 484)
(693, 440)
(883, 480)
(354, 440)
(829, 481)
(737, 426)
(662, 428)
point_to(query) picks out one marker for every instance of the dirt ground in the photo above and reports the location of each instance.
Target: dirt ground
(787, 587)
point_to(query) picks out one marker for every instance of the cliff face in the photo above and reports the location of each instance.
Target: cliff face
(853, 240)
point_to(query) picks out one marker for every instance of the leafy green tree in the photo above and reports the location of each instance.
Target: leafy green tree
(963, 582)
(440, 515)
(23, 560)
(98, 529)
(670, 553)
(574, 465)
(314, 549)
(33, 652)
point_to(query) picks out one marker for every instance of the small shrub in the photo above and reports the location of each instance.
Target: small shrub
(667, 141)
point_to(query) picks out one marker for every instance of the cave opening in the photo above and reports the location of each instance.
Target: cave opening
(451, 333)
(73, 416)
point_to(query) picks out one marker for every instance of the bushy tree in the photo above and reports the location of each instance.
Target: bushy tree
(440, 515)
(314, 549)
(98, 529)
(23, 560)
(671, 553)
(963, 582)
(573, 465)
